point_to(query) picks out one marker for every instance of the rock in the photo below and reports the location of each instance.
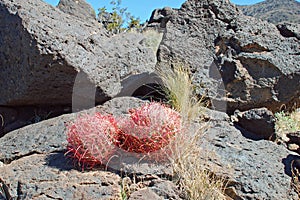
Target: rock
(237, 61)
(144, 194)
(250, 165)
(160, 17)
(289, 30)
(50, 176)
(259, 121)
(17, 117)
(77, 8)
(293, 141)
(48, 57)
(166, 189)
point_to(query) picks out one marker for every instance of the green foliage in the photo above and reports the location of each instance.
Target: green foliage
(287, 123)
(118, 20)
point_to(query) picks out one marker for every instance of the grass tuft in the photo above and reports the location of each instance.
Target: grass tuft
(180, 92)
(189, 169)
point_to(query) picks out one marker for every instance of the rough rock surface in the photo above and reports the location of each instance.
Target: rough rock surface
(144, 194)
(259, 121)
(257, 169)
(293, 142)
(50, 176)
(43, 49)
(78, 8)
(289, 30)
(246, 57)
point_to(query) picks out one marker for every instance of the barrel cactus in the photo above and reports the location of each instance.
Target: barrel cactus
(91, 139)
(148, 128)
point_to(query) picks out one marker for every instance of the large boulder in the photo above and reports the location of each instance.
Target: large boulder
(42, 51)
(258, 169)
(259, 121)
(238, 61)
(289, 30)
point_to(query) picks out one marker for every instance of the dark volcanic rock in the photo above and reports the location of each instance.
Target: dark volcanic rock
(160, 17)
(259, 121)
(258, 169)
(289, 30)
(42, 50)
(274, 11)
(43, 177)
(240, 62)
(78, 8)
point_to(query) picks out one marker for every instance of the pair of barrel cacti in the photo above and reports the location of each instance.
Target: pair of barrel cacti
(93, 139)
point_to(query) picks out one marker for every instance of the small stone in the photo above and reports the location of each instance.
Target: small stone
(293, 147)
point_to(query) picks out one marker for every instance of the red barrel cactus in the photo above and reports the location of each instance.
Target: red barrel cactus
(91, 139)
(148, 128)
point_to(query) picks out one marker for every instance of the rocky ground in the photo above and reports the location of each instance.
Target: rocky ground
(56, 64)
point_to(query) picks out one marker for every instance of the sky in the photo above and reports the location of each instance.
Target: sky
(144, 8)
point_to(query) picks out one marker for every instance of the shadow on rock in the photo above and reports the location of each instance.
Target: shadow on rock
(291, 162)
(249, 135)
(60, 161)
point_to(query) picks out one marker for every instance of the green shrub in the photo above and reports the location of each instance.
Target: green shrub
(118, 20)
(287, 122)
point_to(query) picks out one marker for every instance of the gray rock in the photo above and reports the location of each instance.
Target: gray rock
(256, 169)
(50, 176)
(12, 118)
(144, 194)
(43, 50)
(77, 8)
(289, 30)
(238, 61)
(160, 17)
(259, 121)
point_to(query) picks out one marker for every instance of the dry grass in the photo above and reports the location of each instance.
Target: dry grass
(4, 191)
(189, 169)
(295, 177)
(180, 92)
